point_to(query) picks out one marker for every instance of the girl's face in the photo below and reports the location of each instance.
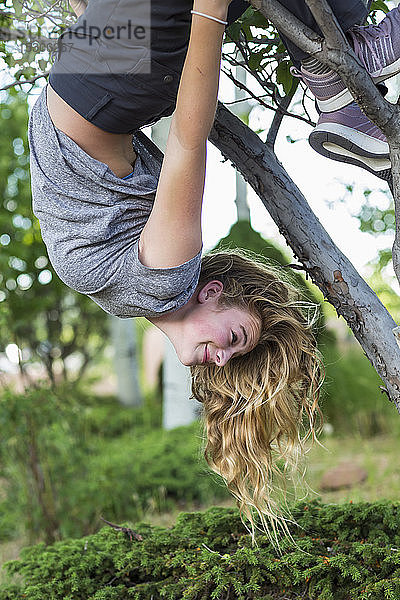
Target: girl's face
(214, 335)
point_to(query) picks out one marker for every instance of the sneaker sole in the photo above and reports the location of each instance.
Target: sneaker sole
(352, 140)
(337, 148)
(345, 97)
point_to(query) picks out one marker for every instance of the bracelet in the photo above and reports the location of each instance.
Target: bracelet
(194, 12)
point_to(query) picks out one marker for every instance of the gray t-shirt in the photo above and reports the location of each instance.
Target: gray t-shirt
(91, 221)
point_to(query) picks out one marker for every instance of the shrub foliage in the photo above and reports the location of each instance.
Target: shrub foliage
(341, 552)
(63, 470)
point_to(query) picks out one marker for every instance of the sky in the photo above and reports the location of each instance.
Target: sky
(322, 181)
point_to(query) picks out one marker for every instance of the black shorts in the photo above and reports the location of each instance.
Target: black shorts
(125, 84)
(144, 85)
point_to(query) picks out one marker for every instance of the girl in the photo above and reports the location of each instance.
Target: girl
(127, 232)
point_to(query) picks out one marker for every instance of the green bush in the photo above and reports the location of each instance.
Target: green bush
(106, 418)
(131, 475)
(341, 552)
(42, 446)
(63, 471)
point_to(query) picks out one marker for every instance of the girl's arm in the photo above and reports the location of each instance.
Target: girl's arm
(172, 234)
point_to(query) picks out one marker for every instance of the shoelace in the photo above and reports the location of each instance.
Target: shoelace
(362, 36)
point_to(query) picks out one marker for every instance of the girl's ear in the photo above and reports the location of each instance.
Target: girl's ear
(210, 292)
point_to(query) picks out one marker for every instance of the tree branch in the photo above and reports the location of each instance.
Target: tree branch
(329, 269)
(335, 52)
(328, 24)
(289, 25)
(280, 108)
(281, 111)
(19, 82)
(34, 14)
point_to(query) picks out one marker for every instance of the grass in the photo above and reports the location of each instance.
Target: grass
(377, 455)
(352, 401)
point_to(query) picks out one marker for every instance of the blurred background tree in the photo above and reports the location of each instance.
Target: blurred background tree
(47, 322)
(380, 221)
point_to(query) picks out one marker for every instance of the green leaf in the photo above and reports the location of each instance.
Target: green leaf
(255, 60)
(284, 76)
(233, 31)
(257, 19)
(42, 64)
(379, 5)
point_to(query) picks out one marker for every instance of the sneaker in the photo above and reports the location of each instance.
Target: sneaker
(348, 136)
(378, 46)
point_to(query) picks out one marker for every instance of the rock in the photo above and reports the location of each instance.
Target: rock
(345, 475)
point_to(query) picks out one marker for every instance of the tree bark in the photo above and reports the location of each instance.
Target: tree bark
(42, 491)
(329, 269)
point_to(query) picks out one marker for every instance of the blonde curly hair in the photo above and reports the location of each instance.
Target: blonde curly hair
(260, 408)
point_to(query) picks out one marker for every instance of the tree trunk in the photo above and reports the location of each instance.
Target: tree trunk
(42, 488)
(123, 336)
(241, 110)
(178, 408)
